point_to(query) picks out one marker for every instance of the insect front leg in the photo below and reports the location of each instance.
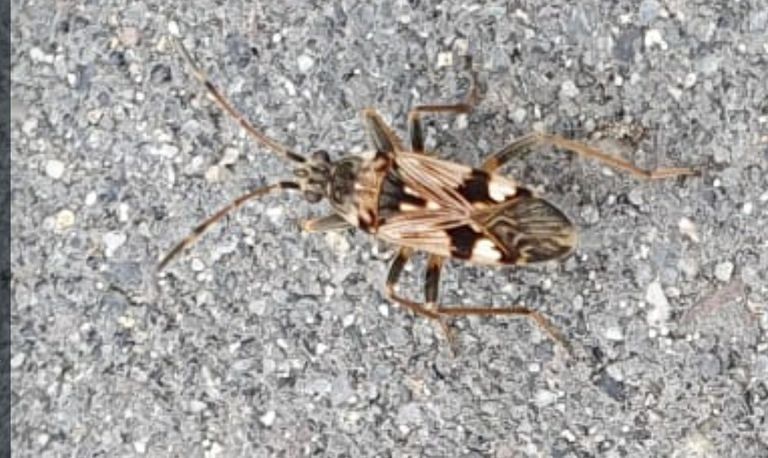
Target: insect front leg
(382, 137)
(415, 128)
(528, 142)
(327, 223)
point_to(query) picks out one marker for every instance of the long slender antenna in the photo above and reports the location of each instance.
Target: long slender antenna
(216, 217)
(227, 106)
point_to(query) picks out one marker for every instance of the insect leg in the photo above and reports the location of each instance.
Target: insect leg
(524, 312)
(223, 102)
(415, 128)
(325, 223)
(530, 141)
(394, 276)
(382, 137)
(432, 282)
(418, 308)
(216, 217)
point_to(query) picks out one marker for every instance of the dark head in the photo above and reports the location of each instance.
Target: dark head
(320, 178)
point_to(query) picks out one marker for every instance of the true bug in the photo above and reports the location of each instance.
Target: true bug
(404, 196)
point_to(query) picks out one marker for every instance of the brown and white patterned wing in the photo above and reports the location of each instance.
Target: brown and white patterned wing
(453, 210)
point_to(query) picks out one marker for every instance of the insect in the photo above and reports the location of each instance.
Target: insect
(403, 195)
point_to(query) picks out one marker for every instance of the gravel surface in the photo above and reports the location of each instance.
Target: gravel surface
(263, 341)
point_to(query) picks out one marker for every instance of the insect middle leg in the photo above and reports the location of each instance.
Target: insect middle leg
(528, 142)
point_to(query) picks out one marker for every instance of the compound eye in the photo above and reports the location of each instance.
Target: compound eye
(321, 155)
(313, 197)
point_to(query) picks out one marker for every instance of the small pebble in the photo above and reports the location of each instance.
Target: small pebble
(519, 115)
(112, 241)
(268, 419)
(337, 241)
(305, 63)
(91, 198)
(64, 220)
(17, 360)
(688, 229)
(54, 169)
(444, 59)
(614, 333)
(590, 214)
(653, 38)
(655, 296)
(230, 156)
(545, 397)
(197, 265)
(130, 36)
(214, 174)
(29, 126)
(690, 80)
(569, 90)
(723, 271)
(197, 406)
(635, 197)
(141, 446)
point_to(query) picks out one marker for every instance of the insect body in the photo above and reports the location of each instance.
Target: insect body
(417, 202)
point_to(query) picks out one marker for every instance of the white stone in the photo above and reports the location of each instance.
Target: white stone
(690, 80)
(688, 229)
(305, 62)
(54, 169)
(173, 28)
(197, 265)
(268, 419)
(64, 220)
(230, 156)
(545, 397)
(723, 271)
(112, 241)
(614, 333)
(653, 38)
(17, 360)
(569, 90)
(654, 295)
(444, 59)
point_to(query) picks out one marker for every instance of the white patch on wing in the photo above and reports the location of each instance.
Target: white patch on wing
(406, 207)
(485, 251)
(411, 191)
(500, 189)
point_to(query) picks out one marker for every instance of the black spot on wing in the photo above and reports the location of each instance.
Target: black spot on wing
(463, 239)
(393, 194)
(475, 187)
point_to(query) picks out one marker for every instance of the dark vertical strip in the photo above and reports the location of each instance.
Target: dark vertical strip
(5, 230)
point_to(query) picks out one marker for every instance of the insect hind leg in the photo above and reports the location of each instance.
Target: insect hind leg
(528, 142)
(517, 311)
(430, 309)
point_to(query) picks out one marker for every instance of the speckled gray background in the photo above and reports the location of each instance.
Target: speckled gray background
(262, 341)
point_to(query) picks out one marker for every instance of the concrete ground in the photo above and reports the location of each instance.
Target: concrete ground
(262, 341)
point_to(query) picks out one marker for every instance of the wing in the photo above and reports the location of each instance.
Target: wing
(456, 211)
